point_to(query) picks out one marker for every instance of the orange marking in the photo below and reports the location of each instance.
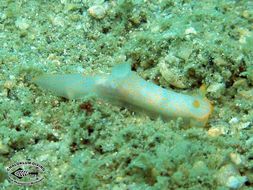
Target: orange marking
(196, 103)
(205, 117)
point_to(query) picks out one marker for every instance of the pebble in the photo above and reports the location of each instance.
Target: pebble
(9, 84)
(249, 142)
(216, 89)
(234, 120)
(22, 24)
(215, 132)
(172, 76)
(98, 11)
(220, 61)
(235, 182)
(240, 83)
(229, 176)
(4, 149)
(218, 129)
(236, 158)
(241, 125)
(244, 125)
(248, 94)
(190, 30)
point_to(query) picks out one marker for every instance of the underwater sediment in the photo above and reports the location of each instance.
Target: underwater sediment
(91, 144)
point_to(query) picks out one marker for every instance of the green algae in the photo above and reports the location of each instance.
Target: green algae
(89, 144)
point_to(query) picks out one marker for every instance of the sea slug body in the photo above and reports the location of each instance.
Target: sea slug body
(124, 87)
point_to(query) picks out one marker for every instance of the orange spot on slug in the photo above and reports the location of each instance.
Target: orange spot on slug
(196, 103)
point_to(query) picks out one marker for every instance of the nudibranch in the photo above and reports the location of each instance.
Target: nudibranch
(124, 87)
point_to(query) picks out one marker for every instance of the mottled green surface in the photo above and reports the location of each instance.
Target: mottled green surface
(89, 144)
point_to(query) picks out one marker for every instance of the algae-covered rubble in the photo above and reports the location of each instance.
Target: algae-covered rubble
(90, 144)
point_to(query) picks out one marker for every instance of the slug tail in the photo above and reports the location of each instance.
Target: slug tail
(71, 86)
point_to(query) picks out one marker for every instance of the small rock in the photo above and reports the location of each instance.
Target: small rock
(216, 89)
(246, 14)
(249, 142)
(234, 120)
(220, 61)
(57, 21)
(172, 76)
(190, 30)
(236, 182)
(218, 128)
(240, 83)
(4, 149)
(229, 176)
(215, 132)
(248, 94)
(98, 11)
(3, 174)
(9, 84)
(22, 24)
(244, 125)
(236, 158)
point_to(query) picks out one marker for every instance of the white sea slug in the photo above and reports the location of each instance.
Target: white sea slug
(124, 87)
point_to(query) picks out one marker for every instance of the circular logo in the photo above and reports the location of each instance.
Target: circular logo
(25, 173)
